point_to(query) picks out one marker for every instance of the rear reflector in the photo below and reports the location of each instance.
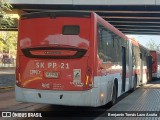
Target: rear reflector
(54, 52)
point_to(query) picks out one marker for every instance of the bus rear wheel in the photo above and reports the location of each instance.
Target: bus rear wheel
(114, 96)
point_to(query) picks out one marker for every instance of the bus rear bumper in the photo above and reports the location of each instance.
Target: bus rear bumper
(71, 98)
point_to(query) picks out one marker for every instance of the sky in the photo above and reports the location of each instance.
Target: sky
(144, 39)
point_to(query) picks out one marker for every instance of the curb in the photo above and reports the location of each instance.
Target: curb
(7, 87)
(7, 68)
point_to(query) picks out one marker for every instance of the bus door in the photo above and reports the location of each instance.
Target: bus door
(131, 64)
(141, 69)
(123, 68)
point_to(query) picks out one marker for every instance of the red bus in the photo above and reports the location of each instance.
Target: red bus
(155, 64)
(74, 58)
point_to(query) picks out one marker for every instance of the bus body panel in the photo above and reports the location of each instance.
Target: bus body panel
(140, 61)
(114, 67)
(53, 56)
(155, 64)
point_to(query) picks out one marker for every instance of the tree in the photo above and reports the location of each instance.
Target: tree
(152, 45)
(8, 41)
(5, 20)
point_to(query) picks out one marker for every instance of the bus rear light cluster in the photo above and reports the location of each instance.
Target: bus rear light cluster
(18, 77)
(89, 80)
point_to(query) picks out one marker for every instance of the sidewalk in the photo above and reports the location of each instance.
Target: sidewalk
(7, 78)
(144, 99)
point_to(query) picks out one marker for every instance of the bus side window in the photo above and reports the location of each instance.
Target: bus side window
(101, 46)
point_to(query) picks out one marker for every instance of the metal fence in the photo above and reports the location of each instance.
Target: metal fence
(8, 62)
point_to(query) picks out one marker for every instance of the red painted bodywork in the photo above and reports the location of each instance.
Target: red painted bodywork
(155, 60)
(47, 32)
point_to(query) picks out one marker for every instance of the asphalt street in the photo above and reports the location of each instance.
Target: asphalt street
(7, 78)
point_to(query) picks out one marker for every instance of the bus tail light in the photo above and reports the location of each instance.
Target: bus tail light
(18, 76)
(89, 79)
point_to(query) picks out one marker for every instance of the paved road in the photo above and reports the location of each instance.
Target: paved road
(145, 100)
(7, 77)
(8, 103)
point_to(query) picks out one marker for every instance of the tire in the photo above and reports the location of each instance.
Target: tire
(114, 96)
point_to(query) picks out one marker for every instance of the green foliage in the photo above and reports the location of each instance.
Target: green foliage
(5, 20)
(1, 45)
(8, 41)
(152, 45)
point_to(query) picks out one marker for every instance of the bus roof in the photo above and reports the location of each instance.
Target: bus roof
(85, 14)
(54, 14)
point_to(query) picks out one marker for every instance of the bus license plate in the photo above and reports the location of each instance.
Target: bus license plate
(51, 74)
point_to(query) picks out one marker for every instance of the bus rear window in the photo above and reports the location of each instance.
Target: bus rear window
(71, 30)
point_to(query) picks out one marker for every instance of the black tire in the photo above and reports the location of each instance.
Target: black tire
(114, 96)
